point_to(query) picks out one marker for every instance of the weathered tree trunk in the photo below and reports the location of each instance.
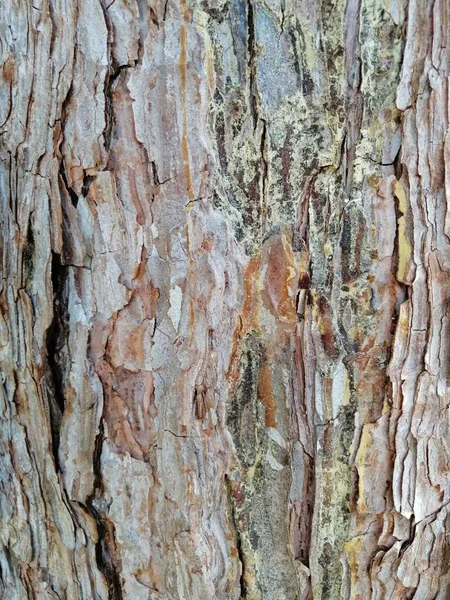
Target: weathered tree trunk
(224, 326)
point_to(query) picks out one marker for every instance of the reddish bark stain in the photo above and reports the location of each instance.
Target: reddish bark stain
(265, 394)
(279, 281)
(326, 327)
(207, 244)
(140, 216)
(251, 279)
(9, 70)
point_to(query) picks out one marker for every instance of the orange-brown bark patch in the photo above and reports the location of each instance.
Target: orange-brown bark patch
(278, 293)
(250, 312)
(265, 394)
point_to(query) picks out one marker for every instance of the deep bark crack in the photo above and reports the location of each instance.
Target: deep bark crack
(237, 532)
(56, 337)
(251, 62)
(72, 194)
(105, 546)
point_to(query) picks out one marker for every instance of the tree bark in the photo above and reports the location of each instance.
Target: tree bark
(224, 306)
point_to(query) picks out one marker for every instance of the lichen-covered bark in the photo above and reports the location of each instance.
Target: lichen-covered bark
(224, 302)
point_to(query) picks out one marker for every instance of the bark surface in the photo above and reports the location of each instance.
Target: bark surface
(224, 304)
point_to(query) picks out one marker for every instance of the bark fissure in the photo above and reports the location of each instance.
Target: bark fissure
(104, 547)
(71, 192)
(251, 64)
(56, 339)
(110, 82)
(238, 539)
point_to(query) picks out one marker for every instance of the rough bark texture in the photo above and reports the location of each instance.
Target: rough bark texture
(224, 318)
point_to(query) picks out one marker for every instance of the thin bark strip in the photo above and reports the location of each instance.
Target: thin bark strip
(224, 304)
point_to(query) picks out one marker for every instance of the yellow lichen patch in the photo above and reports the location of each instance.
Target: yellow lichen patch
(404, 246)
(401, 197)
(252, 469)
(327, 248)
(352, 550)
(374, 181)
(404, 251)
(361, 457)
(403, 321)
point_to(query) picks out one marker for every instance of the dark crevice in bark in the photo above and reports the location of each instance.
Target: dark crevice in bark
(54, 27)
(178, 435)
(109, 110)
(87, 180)
(304, 524)
(398, 168)
(143, 26)
(251, 63)
(55, 340)
(396, 163)
(396, 253)
(293, 32)
(156, 181)
(109, 80)
(264, 175)
(410, 539)
(403, 291)
(104, 559)
(69, 94)
(354, 492)
(353, 130)
(28, 255)
(105, 546)
(299, 51)
(114, 72)
(72, 194)
(283, 16)
(153, 17)
(237, 535)
(198, 402)
(342, 148)
(303, 516)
